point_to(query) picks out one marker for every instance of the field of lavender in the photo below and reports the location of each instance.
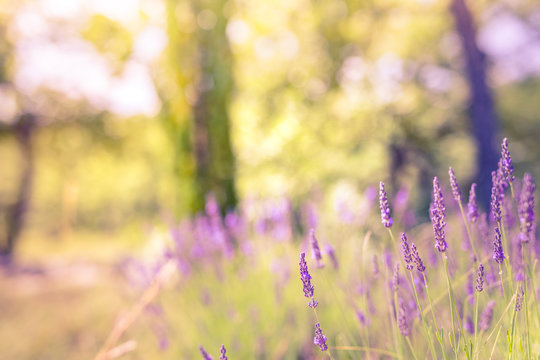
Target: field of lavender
(460, 287)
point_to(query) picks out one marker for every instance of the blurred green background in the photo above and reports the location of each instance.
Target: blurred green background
(118, 115)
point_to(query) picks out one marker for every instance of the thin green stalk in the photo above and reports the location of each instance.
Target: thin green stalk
(429, 337)
(411, 347)
(500, 319)
(531, 270)
(437, 332)
(502, 282)
(340, 307)
(525, 300)
(454, 345)
(392, 318)
(476, 301)
(507, 251)
(453, 304)
(396, 308)
(511, 340)
(495, 343)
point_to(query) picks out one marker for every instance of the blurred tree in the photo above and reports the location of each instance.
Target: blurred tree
(195, 102)
(481, 107)
(22, 129)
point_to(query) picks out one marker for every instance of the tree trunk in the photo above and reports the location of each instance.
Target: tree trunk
(481, 108)
(197, 113)
(16, 214)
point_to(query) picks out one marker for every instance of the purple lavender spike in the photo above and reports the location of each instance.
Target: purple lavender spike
(205, 354)
(329, 249)
(386, 219)
(526, 209)
(361, 317)
(473, 204)
(406, 252)
(306, 281)
(416, 258)
(456, 191)
(480, 278)
(519, 298)
(438, 214)
(395, 277)
(223, 352)
(402, 319)
(316, 251)
(508, 168)
(498, 253)
(319, 338)
(487, 316)
(497, 193)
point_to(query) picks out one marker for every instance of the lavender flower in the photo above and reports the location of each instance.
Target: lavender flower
(497, 193)
(416, 258)
(438, 213)
(316, 251)
(205, 354)
(361, 317)
(406, 252)
(306, 281)
(508, 168)
(480, 278)
(402, 319)
(395, 277)
(319, 338)
(223, 351)
(329, 249)
(498, 253)
(519, 298)
(473, 204)
(487, 316)
(526, 209)
(456, 191)
(386, 219)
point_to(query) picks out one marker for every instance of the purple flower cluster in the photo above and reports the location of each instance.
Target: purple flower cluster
(416, 258)
(498, 253)
(506, 160)
(386, 219)
(205, 354)
(306, 281)
(319, 338)
(472, 206)
(438, 214)
(315, 248)
(332, 255)
(526, 209)
(519, 298)
(406, 252)
(395, 277)
(456, 191)
(223, 352)
(480, 278)
(403, 324)
(497, 194)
